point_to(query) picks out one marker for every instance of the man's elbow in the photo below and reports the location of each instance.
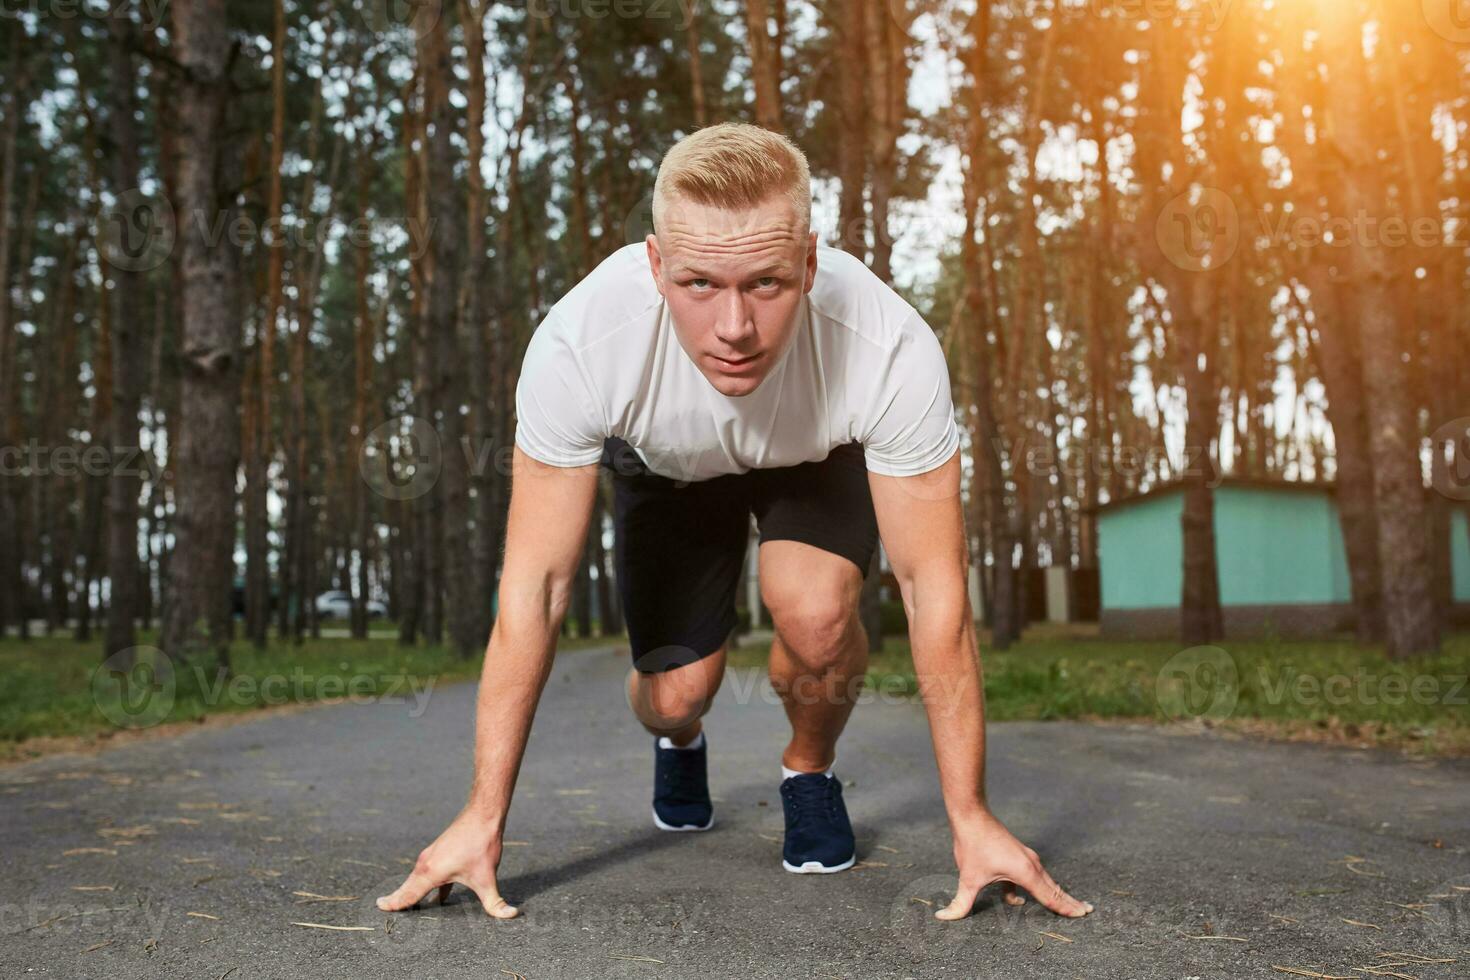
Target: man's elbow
(535, 606)
(937, 603)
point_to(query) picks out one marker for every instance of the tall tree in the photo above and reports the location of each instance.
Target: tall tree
(208, 431)
(126, 335)
(1411, 619)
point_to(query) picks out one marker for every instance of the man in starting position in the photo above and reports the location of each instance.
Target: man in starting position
(726, 366)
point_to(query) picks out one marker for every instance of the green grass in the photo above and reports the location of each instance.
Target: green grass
(1331, 690)
(52, 687)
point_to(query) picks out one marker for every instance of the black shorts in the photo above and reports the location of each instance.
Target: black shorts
(680, 547)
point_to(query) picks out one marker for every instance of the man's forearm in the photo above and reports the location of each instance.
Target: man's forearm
(947, 665)
(517, 663)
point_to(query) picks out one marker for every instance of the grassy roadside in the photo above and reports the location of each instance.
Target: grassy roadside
(53, 697)
(1328, 690)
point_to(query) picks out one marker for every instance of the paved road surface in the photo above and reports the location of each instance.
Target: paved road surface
(204, 840)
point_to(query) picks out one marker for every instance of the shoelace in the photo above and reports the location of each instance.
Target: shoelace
(683, 777)
(810, 797)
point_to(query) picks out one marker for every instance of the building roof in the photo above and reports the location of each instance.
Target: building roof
(1242, 482)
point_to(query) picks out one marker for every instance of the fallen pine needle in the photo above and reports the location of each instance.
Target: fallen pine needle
(924, 901)
(1365, 925)
(318, 925)
(629, 956)
(1283, 918)
(1415, 957)
(88, 850)
(1227, 939)
(1307, 973)
(1053, 935)
(93, 949)
(77, 915)
(309, 897)
(203, 915)
(92, 888)
(518, 976)
(1383, 972)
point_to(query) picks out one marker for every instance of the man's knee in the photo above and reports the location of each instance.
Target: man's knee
(675, 699)
(816, 629)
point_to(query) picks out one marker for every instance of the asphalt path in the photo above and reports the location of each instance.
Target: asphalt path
(194, 856)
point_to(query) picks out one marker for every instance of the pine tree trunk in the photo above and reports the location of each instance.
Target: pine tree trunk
(852, 141)
(690, 11)
(1343, 375)
(208, 432)
(11, 606)
(763, 64)
(1411, 618)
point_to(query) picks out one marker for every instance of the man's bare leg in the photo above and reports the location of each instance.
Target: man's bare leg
(820, 652)
(672, 702)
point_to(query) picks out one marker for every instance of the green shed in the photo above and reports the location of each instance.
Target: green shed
(1279, 545)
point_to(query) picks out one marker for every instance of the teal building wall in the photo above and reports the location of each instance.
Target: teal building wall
(1276, 547)
(1460, 552)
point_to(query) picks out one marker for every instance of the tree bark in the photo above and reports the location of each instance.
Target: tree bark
(1411, 619)
(208, 431)
(852, 161)
(461, 593)
(764, 70)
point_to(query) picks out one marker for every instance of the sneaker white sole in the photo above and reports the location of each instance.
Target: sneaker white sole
(817, 867)
(664, 826)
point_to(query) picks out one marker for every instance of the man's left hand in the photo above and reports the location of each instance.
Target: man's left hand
(987, 852)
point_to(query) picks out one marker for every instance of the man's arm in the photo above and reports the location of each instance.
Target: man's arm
(922, 527)
(545, 533)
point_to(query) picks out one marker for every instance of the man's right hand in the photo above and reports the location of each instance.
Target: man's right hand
(467, 853)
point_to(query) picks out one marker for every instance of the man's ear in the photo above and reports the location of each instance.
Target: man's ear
(655, 262)
(811, 262)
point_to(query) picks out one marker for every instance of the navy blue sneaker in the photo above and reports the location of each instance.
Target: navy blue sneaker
(819, 836)
(681, 788)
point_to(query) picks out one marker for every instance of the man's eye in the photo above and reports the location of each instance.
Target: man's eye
(766, 282)
(699, 283)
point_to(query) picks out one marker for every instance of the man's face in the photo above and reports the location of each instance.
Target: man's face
(734, 282)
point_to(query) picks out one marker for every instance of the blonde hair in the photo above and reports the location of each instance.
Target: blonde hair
(734, 166)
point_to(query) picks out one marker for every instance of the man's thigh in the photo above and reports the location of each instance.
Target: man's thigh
(818, 533)
(679, 550)
(827, 505)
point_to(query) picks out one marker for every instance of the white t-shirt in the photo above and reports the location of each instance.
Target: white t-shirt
(862, 366)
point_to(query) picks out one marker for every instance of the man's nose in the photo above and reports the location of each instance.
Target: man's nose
(734, 324)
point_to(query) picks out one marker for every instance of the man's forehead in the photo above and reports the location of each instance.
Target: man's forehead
(684, 224)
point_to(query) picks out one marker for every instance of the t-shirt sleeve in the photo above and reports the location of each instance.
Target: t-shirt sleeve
(912, 426)
(557, 416)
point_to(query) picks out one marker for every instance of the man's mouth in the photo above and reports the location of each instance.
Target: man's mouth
(735, 363)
